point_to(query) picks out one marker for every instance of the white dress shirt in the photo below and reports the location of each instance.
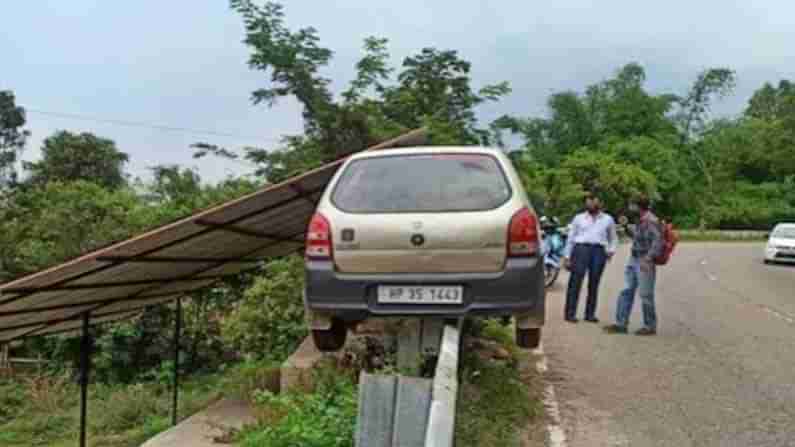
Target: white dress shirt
(586, 228)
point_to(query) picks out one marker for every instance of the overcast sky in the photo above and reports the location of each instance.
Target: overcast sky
(181, 63)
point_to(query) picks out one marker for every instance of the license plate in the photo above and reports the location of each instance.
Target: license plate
(420, 294)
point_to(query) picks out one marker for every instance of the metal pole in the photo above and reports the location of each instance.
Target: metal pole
(85, 366)
(177, 330)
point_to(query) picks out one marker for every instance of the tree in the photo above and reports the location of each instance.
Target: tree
(371, 71)
(433, 90)
(754, 150)
(770, 103)
(553, 191)
(714, 83)
(621, 107)
(69, 157)
(617, 108)
(179, 186)
(12, 137)
(44, 225)
(615, 180)
(294, 59)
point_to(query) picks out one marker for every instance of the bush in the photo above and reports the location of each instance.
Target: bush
(268, 323)
(324, 418)
(496, 401)
(244, 379)
(12, 399)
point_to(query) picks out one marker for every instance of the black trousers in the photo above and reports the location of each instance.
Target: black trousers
(590, 259)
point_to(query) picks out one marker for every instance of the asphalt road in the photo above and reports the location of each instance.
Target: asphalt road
(720, 372)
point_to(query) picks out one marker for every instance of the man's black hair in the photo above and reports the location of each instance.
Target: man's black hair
(643, 202)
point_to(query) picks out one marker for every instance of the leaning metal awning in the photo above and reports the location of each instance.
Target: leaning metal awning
(119, 281)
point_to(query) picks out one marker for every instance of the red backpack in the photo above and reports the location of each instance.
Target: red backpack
(670, 239)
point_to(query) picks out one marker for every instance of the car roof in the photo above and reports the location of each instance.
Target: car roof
(785, 225)
(428, 150)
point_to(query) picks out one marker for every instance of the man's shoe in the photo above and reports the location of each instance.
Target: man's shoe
(592, 319)
(571, 320)
(615, 329)
(646, 331)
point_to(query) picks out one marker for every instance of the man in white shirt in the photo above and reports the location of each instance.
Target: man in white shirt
(592, 242)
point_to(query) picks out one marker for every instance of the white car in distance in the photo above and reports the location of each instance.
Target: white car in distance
(781, 244)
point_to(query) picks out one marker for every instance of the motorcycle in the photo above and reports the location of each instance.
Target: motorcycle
(552, 246)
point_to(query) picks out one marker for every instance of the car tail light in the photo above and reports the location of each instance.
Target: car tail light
(318, 238)
(523, 234)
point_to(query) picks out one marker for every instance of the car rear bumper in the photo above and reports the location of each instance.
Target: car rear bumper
(518, 290)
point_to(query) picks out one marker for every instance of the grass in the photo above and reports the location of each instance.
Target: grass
(244, 379)
(44, 411)
(324, 417)
(721, 236)
(499, 399)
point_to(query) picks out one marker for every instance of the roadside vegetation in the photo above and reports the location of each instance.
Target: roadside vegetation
(44, 410)
(722, 236)
(324, 416)
(500, 402)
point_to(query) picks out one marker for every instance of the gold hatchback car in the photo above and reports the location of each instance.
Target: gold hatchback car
(427, 231)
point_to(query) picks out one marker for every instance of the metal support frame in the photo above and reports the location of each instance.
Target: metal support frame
(176, 260)
(304, 194)
(85, 367)
(239, 230)
(177, 333)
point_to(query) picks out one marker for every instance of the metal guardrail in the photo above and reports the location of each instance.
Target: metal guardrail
(402, 411)
(441, 421)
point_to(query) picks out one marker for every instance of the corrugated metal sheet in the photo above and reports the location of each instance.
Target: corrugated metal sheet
(118, 281)
(75, 325)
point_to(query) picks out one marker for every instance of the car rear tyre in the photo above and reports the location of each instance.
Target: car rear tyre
(332, 339)
(528, 338)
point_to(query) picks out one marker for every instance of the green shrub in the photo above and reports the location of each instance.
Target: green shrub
(12, 400)
(269, 321)
(325, 417)
(495, 402)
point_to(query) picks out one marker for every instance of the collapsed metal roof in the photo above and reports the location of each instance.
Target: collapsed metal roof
(119, 281)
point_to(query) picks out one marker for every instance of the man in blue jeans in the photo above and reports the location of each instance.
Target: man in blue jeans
(641, 272)
(592, 241)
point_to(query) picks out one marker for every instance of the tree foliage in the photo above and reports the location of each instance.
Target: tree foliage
(773, 103)
(269, 321)
(12, 137)
(618, 138)
(68, 156)
(432, 89)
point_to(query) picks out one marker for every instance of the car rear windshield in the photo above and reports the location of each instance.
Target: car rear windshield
(422, 183)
